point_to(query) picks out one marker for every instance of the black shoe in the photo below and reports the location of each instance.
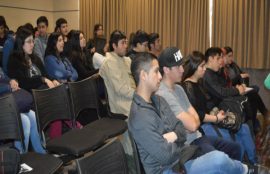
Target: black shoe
(258, 169)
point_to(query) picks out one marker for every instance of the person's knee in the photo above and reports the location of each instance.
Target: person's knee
(219, 159)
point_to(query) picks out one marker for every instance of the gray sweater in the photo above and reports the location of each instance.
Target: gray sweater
(40, 46)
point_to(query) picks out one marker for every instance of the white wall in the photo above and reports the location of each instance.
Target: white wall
(19, 12)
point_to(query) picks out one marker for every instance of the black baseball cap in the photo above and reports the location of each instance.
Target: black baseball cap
(170, 56)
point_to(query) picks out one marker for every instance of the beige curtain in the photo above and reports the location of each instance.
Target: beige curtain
(243, 25)
(181, 23)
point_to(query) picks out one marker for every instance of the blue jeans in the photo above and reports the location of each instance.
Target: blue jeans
(211, 143)
(30, 131)
(214, 162)
(243, 137)
(169, 171)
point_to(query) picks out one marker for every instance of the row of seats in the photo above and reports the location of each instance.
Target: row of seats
(65, 102)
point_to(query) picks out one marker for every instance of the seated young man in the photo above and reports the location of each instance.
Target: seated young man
(115, 71)
(170, 62)
(139, 44)
(159, 135)
(215, 83)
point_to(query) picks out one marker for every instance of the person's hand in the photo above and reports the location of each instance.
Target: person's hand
(241, 89)
(244, 75)
(221, 116)
(49, 83)
(14, 85)
(55, 82)
(170, 137)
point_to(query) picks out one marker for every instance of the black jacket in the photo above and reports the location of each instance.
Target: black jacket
(216, 86)
(21, 72)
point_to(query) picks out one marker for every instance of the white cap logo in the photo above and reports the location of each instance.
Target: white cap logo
(177, 56)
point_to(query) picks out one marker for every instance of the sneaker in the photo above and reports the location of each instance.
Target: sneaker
(258, 169)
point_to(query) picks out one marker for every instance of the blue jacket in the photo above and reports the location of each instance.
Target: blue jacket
(7, 49)
(58, 69)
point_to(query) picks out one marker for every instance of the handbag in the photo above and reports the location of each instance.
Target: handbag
(232, 121)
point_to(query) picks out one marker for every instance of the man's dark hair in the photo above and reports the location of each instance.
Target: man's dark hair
(228, 49)
(43, 19)
(115, 37)
(212, 51)
(30, 27)
(140, 37)
(59, 22)
(152, 38)
(142, 61)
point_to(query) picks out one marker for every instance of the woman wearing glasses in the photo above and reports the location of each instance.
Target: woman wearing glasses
(29, 72)
(25, 66)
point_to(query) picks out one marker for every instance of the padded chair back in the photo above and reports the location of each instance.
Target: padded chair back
(110, 158)
(10, 120)
(83, 95)
(109, 113)
(138, 163)
(52, 104)
(10, 125)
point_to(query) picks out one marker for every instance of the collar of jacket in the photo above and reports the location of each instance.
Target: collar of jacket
(155, 106)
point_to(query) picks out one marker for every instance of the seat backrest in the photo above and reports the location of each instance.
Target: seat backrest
(138, 163)
(109, 113)
(10, 123)
(52, 104)
(110, 158)
(83, 95)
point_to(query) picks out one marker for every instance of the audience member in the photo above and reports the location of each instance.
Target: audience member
(159, 136)
(100, 54)
(234, 76)
(25, 66)
(154, 44)
(3, 31)
(194, 69)
(78, 55)
(61, 26)
(7, 49)
(139, 43)
(216, 85)
(98, 32)
(115, 71)
(130, 40)
(42, 38)
(58, 66)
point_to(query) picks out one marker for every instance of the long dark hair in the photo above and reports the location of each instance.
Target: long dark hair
(18, 52)
(74, 50)
(51, 48)
(192, 63)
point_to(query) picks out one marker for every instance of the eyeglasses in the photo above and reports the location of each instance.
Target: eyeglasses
(30, 41)
(145, 44)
